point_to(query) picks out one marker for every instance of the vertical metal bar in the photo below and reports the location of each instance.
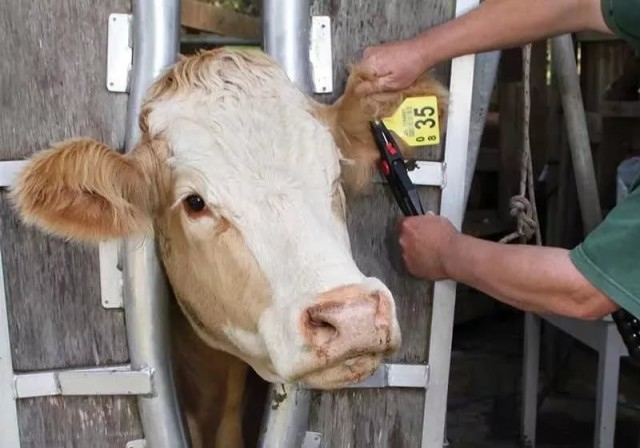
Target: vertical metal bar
(9, 430)
(484, 79)
(564, 61)
(607, 390)
(286, 38)
(286, 417)
(531, 366)
(156, 25)
(452, 207)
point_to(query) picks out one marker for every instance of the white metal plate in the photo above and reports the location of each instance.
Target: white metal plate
(8, 171)
(423, 173)
(428, 173)
(140, 443)
(119, 52)
(94, 381)
(396, 375)
(321, 55)
(110, 275)
(312, 440)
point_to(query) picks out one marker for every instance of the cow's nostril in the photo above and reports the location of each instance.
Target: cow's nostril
(320, 329)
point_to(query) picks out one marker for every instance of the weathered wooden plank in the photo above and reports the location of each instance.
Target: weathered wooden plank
(53, 76)
(391, 417)
(52, 87)
(608, 79)
(53, 290)
(78, 422)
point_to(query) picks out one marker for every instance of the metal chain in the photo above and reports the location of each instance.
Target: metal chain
(523, 208)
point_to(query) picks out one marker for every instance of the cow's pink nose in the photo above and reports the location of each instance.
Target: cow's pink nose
(348, 322)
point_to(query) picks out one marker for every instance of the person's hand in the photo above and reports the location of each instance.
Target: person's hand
(425, 241)
(396, 65)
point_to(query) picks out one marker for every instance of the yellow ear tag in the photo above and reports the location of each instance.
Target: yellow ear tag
(416, 121)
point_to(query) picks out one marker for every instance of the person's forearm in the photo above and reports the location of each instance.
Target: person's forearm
(537, 279)
(498, 24)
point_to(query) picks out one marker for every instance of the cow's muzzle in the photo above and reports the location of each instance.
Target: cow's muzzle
(348, 331)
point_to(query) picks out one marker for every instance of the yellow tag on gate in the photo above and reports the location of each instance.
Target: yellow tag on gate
(416, 121)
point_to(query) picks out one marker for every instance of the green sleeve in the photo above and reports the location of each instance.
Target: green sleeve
(609, 256)
(623, 18)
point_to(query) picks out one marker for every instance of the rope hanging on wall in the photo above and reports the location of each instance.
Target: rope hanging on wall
(523, 205)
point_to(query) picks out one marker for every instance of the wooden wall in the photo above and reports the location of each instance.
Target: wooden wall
(380, 417)
(52, 87)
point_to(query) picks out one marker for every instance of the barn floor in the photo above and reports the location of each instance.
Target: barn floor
(484, 408)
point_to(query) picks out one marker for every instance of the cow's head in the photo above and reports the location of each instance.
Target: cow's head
(239, 176)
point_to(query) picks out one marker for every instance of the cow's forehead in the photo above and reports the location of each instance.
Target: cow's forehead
(236, 118)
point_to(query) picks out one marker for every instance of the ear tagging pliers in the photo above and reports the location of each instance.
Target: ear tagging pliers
(394, 170)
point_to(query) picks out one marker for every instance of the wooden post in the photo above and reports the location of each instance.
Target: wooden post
(53, 84)
(381, 417)
(607, 75)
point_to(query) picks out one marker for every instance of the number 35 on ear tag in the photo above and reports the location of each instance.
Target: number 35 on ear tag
(416, 121)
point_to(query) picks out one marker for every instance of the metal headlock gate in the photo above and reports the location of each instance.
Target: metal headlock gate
(287, 28)
(146, 41)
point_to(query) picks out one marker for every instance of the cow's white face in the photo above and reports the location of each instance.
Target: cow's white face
(239, 177)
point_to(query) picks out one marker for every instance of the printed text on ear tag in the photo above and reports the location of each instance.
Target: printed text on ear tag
(416, 121)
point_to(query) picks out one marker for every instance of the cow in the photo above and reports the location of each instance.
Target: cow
(242, 180)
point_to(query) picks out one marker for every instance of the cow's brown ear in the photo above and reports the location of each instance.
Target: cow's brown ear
(83, 190)
(349, 118)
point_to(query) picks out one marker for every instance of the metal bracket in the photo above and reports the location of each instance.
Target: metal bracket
(140, 443)
(321, 55)
(119, 52)
(110, 275)
(396, 375)
(117, 380)
(423, 173)
(427, 173)
(8, 171)
(312, 440)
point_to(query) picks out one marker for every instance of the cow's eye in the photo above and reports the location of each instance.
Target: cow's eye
(194, 203)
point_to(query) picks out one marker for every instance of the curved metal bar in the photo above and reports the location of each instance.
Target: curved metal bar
(286, 38)
(156, 25)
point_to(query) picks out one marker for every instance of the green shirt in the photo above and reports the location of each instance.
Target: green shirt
(623, 18)
(608, 257)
